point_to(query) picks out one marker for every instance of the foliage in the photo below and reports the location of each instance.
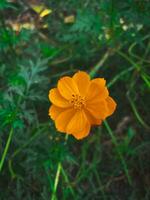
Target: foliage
(107, 38)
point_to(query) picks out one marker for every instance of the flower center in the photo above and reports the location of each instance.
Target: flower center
(77, 101)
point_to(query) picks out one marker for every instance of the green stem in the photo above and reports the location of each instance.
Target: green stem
(118, 151)
(128, 59)
(67, 182)
(99, 64)
(135, 111)
(59, 168)
(6, 148)
(117, 77)
(146, 79)
(56, 181)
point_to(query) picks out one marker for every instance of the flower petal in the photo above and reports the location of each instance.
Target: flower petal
(111, 105)
(54, 111)
(67, 87)
(98, 108)
(95, 91)
(82, 80)
(92, 120)
(83, 133)
(77, 123)
(56, 98)
(100, 81)
(63, 119)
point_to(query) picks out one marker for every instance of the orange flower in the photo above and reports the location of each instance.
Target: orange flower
(78, 103)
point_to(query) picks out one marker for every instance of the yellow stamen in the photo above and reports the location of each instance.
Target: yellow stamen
(77, 101)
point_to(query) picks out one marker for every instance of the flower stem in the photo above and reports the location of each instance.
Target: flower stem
(59, 168)
(99, 64)
(6, 149)
(56, 181)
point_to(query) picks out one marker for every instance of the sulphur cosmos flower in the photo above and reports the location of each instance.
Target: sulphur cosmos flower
(79, 103)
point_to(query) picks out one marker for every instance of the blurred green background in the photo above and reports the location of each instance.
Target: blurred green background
(40, 41)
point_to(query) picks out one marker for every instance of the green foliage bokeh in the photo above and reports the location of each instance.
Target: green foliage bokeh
(107, 38)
